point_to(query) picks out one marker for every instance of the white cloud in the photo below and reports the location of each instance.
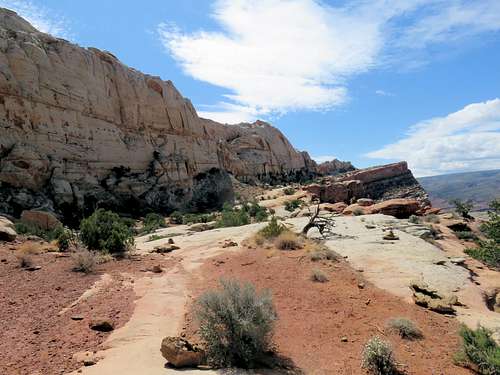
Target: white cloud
(276, 56)
(41, 18)
(323, 158)
(383, 93)
(466, 140)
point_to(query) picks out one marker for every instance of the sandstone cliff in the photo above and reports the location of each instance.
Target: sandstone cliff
(379, 183)
(79, 129)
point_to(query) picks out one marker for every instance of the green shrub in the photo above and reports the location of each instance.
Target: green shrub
(153, 222)
(292, 205)
(466, 235)
(273, 229)
(289, 191)
(487, 252)
(65, 239)
(176, 217)
(480, 350)
(198, 218)
(236, 324)
(378, 358)
(35, 230)
(492, 227)
(105, 231)
(405, 328)
(463, 208)
(254, 210)
(233, 217)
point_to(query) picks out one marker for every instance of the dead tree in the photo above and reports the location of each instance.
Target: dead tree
(324, 224)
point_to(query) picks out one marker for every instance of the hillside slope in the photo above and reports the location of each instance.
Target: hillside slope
(481, 187)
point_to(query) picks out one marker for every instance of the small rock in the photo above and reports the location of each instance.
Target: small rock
(390, 236)
(101, 325)
(156, 269)
(181, 353)
(457, 261)
(361, 285)
(229, 243)
(170, 241)
(33, 268)
(165, 249)
(343, 339)
(77, 317)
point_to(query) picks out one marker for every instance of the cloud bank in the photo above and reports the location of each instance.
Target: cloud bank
(466, 140)
(277, 56)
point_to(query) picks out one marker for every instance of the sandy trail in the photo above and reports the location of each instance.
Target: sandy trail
(389, 265)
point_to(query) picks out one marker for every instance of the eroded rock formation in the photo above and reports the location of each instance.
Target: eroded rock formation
(391, 181)
(335, 167)
(79, 129)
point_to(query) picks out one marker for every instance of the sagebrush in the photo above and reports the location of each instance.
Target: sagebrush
(236, 324)
(405, 328)
(378, 357)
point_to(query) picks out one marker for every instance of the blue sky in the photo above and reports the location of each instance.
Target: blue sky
(367, 81)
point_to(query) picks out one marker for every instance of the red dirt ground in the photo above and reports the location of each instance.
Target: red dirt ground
(34, 339)
(313, 317)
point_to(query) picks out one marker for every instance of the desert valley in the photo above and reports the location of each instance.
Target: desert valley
(137, 237)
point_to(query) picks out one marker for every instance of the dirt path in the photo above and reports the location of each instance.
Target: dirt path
(160, 307)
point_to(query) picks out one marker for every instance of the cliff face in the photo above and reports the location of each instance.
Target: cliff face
(79, 129)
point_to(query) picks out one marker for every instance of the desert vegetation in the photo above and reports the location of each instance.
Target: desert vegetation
(463, 208)
(488, 250)
(378, 357)
(236, 324)
(106, 231)
(405, 328)
(479, 351)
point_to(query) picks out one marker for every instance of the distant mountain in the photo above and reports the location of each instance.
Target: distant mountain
(481, 187)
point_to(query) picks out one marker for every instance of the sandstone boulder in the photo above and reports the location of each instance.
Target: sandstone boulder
(356, 209)
(180, 353)
(338, 207)
(400, 208)
(365, 202)
(7, 231)
(101, 325)
(41, 219)
(426, 296)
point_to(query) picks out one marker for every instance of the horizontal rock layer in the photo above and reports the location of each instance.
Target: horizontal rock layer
(79, 129)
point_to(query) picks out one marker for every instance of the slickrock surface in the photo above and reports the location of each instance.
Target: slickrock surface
(78, 128)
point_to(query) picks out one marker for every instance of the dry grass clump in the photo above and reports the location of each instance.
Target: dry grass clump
(378, 358)
(318, 276)
(25, 260)
(288, 241)
(32, 248)
(84, 261)
(405, 328)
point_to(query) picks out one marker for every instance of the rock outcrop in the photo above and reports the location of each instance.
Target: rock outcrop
(7, 230)
(392, 181)
(335, 167)
(79, 129)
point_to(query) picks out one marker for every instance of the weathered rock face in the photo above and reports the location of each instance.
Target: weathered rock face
(79, 129)
(335, 167)
(392, 181)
